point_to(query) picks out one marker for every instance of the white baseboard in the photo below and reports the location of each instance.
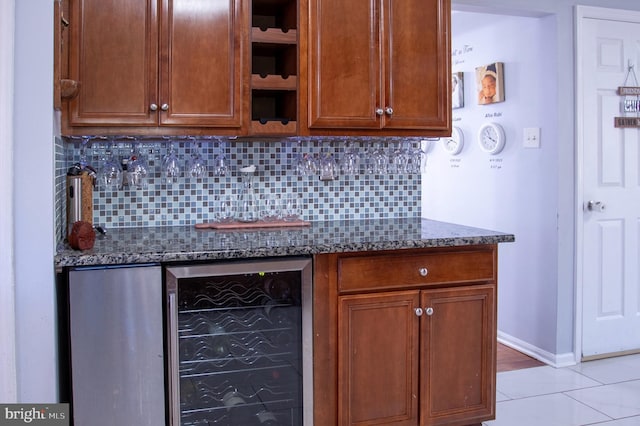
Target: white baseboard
(554, 360)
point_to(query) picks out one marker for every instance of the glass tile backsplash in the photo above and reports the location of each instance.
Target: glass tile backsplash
(385, 184)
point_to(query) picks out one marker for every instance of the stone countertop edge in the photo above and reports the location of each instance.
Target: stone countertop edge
(123, 246)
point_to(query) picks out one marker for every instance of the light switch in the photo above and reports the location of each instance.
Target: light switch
(531, 137)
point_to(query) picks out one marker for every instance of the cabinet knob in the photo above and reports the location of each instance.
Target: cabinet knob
(418, 312)
(428, 311)
(379, 111)
(423, 271)
(153, 107)
(388, 110)
(165, 107)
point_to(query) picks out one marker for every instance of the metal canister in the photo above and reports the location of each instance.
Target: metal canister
(74, 201)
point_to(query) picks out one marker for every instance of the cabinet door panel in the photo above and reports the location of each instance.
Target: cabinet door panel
(344, 63)
(418, 71)
(458, 363)
(113, 55)
(378, 359)
(202, 62)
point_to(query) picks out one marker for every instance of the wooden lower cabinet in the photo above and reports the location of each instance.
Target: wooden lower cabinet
(419, 352)
(378, 358)
(457, 357)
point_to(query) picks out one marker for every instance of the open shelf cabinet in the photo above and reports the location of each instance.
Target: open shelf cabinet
(274, 67)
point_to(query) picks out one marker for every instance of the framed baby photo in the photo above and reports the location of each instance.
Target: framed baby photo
(490, 83)
(457, 90)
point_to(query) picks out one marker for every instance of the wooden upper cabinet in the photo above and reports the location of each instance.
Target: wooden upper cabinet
(345, 72)
(382, 64)
(153, 64)
(256, 67)
(201, 63)
(417, 65)
(114, 57)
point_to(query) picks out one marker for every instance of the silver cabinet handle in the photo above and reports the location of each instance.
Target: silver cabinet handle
(165, 107)
(153, 107)
(379, 111)
(388, 110)
(428, 311)
(418, 312)
(595, 206)
(423, 272)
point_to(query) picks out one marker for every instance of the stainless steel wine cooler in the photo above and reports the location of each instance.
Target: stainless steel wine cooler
(239, 343)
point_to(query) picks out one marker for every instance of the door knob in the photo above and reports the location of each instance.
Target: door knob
(379, 111)
(595, 206)
(388, 110)
(153, 107)
(164, 107)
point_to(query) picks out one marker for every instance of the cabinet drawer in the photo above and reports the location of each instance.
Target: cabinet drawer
(385, 271)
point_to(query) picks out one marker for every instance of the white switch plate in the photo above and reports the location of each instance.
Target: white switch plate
(531, 137)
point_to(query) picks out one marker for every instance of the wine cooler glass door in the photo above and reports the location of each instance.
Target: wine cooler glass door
(236, 339)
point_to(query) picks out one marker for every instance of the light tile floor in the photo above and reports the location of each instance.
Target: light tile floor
(603, 392)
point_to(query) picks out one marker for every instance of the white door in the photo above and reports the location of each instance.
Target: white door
(609, 174)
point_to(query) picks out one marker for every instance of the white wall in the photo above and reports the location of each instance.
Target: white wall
(514, 191)
(8, 391)
(34, 202)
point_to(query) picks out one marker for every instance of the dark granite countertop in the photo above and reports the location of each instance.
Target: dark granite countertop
(185, 243)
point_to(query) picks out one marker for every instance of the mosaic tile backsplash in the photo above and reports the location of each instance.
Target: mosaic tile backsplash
(368, 194)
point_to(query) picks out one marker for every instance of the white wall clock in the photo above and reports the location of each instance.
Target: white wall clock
(453, 144)
(491, 138)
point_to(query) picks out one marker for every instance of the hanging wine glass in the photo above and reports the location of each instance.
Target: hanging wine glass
(84, 162)
(220, 166)
(110, 175)
(350, 162)
(137, 170)
(417, 159)
(398, 159)
(171, 166)
(379, 160)
(328, 167)
(196, 165)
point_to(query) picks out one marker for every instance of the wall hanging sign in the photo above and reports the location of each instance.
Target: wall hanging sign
(631, 102)
(628, 91)
(631, 105)
(627, 122)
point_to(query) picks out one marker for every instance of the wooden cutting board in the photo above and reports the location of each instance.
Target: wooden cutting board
(252, 225)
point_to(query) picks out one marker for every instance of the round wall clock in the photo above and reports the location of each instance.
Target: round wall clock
(491, 138)
(454, 143)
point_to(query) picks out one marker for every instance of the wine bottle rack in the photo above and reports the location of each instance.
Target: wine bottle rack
(240, 350)
(274, 84)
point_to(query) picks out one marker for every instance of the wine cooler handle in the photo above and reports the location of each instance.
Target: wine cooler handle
(174, 361)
